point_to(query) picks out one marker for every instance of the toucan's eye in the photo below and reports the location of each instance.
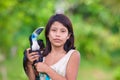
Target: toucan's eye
(33, 36)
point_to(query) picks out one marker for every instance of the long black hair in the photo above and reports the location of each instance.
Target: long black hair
(67, 23)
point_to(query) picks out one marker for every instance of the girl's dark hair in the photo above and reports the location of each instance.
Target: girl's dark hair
(67, 23)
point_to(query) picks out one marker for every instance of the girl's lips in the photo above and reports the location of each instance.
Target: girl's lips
(57, 40)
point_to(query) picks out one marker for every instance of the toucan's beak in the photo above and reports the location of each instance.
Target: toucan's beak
(39, 30)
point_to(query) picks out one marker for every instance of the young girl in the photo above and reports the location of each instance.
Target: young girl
(61, 60)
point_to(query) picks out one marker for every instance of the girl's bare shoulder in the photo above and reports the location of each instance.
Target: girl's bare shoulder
(76, 54)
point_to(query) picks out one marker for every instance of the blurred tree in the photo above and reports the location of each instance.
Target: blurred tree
(99, 29)
(19, 18)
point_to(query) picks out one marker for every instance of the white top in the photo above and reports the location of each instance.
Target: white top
(61, 65)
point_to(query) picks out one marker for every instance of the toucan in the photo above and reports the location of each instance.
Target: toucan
(35, 46)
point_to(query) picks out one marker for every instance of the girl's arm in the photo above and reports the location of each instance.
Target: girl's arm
(71, 71)
(30, 71)
(73, 66)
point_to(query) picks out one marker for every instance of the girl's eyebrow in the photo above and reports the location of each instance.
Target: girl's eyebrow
(63, 29)
(53, 28)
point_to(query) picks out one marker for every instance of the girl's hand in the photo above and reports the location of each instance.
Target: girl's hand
(41, 67)
(32, 56)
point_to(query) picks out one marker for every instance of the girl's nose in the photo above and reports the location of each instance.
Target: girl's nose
(57, 33)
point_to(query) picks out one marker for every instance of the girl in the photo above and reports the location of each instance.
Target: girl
(61, 60)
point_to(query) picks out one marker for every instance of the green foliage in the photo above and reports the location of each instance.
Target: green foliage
(117, 73)
(96, 30)
(19, 18)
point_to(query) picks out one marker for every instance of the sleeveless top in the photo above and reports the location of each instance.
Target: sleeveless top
(59, 67)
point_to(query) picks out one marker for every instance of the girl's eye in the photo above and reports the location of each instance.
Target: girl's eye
(62, 30)
(53, 29)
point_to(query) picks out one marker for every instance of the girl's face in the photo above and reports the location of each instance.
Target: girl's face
(58, 34)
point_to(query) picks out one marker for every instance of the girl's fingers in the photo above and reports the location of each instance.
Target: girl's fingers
(32, 56)
(35, 56)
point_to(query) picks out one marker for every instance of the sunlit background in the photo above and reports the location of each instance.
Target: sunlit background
(96, 25)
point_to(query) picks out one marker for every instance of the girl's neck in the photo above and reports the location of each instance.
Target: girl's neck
(57, 50)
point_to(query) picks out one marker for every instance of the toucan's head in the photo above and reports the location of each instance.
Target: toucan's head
(35, 34)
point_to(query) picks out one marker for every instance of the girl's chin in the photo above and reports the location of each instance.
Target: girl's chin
(57, 45)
